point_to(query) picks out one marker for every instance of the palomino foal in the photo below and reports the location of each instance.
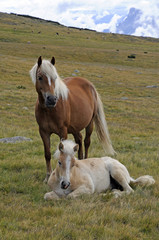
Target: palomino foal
(72, 177)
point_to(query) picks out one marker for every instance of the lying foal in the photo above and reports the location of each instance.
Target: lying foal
(72, 177)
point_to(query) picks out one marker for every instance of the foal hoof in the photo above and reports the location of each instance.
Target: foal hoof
(116, 193)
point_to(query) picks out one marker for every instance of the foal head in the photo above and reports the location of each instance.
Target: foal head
(65, 155)
(48, 84)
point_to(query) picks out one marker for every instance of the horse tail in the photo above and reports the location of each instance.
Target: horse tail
(102, 129)
(145, 180)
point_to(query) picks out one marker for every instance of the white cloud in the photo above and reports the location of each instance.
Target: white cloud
(147, 31)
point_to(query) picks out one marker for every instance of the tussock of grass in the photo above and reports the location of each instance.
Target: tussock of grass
(132, 115)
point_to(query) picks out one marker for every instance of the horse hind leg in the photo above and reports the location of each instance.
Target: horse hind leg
(122, 178)
(78, 140)
(87, 140)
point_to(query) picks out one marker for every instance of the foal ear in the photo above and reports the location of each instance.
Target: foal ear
(53, 61)
(61, 146)
(76, 148)
(39, 61)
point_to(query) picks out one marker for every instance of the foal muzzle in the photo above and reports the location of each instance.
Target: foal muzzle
(65, 184)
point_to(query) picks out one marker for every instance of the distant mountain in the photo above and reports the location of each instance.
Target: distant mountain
(133, 23)
(130, 23)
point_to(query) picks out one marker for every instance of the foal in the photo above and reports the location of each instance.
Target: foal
(72, 177)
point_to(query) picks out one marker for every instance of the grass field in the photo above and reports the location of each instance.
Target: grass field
(129, 89)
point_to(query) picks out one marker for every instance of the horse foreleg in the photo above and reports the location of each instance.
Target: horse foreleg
(63, 133)
(87, 139)
(83, 189)
(78, 140)
(46, 142)
(51, 196)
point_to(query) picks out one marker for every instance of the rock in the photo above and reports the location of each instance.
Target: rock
(25, 108)
(153, 86)
(132, 56)
(14, 139)
(124, 98)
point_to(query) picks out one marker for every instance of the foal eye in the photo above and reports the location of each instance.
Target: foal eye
(59, 163)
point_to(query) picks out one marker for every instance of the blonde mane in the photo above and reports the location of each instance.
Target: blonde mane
(49, 70)
(68, 148)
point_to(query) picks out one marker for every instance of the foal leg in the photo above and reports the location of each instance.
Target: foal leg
(119, 176)
(51, 196)
(78, 140)
(87, 139)
(83, 189)
(46, 142)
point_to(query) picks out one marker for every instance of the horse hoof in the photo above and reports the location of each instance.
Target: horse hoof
(46, 196)
(46, 178)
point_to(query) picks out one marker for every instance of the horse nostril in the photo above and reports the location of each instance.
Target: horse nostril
(64, 185)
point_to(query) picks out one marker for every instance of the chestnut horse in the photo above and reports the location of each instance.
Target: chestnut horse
(71, 177)
(67, 106)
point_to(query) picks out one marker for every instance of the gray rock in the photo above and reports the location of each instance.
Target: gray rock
(124, 98)
(14, 139)
(76, 71)
(25, 108)
(153, 86)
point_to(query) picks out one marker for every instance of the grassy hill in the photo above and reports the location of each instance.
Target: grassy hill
(129, 88)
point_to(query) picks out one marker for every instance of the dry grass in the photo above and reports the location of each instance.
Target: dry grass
(132, 114)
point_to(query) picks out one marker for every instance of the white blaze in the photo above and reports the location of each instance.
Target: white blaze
(49, 80)
(68, 163)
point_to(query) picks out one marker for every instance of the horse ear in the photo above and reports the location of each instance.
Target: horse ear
(76, 148)
(39, 61)
(53, 61)
(61, 146)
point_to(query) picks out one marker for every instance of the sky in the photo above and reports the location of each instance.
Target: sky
(82, 13)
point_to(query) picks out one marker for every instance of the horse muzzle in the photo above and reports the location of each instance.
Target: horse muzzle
(50, 101)
(65, 184)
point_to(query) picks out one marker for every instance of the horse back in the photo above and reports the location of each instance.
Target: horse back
(79, 84)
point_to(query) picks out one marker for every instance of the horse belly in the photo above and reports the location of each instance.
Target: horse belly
(81, 114)
(101, 181)
(99, 174)
(80, 121)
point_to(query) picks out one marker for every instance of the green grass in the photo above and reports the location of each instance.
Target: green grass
(132, 115)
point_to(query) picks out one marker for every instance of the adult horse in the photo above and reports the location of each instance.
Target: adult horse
(67, 106)
(71, 177)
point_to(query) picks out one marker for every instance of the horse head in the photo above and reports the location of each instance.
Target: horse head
(45, 81)
(65, 155)
(48, 84)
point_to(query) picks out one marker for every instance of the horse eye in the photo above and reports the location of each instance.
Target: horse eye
(40, 78)
(59, 163)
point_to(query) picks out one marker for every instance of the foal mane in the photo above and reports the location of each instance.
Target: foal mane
(50, 71)
(68, 148)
